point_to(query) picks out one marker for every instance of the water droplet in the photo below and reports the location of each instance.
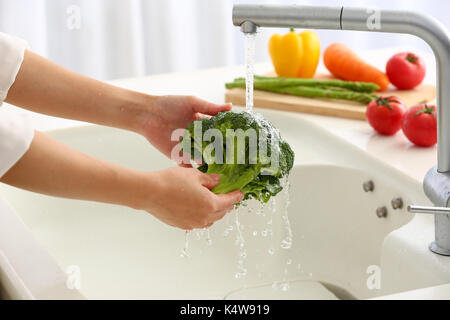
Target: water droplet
(184, 252)
(208, 238)
(271, 251)
(255, 233)
(286, 244)
(285, 286)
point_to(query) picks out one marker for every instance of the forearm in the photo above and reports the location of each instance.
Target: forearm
(52, 168)
(45, 87)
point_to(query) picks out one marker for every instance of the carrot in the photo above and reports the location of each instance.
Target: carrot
(344, 64)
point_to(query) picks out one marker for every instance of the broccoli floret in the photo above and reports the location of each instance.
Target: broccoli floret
(255, 160)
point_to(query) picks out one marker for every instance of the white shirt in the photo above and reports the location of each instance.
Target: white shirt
(16, 132)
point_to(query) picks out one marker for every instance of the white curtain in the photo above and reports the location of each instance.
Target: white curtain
(109, 39)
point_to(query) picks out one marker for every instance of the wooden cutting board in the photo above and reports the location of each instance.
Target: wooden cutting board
(327, 107)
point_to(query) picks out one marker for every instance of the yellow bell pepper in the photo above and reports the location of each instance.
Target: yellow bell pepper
(295, 55)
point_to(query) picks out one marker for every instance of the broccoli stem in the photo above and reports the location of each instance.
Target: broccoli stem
(271, 82)
(229, 181)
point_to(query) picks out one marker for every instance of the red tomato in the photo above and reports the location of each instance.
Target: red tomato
(406, 70)
(420, 126)
(385, 115)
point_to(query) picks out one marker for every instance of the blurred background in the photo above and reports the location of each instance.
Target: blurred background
(110, 39)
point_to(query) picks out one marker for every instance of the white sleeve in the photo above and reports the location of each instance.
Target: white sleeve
(11, 57)
(16, 131)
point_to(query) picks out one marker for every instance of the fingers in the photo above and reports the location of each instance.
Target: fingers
(198, 162)
(220, 214)
(209, 180)
(189, 164)
(228, 200)
(209, 108)
(216, 216)
(198, 116)
(209, 225)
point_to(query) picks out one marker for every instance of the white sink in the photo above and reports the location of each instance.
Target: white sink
(337, 237)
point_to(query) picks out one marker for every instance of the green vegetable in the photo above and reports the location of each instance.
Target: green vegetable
(247, 169)
(312, 92)
(271, 82)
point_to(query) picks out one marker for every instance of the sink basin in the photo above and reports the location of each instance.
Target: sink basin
(328, 244)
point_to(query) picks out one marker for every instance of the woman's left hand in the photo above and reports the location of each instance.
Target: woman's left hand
(168, 113)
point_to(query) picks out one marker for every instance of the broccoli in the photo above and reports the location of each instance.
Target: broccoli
(244, 149)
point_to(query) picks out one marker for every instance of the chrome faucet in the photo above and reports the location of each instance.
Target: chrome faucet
(437, 181)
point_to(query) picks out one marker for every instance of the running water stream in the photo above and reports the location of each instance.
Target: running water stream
(260, 210)
(249, 69)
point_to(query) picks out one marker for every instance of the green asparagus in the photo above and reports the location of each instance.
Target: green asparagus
(313, 92)
(271, 82)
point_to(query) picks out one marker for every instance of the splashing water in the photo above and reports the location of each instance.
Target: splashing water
(228, 227)
(205, 232)
(208, 237)
(260, 209)
(286, 243)
(249, 69)
(227, 231)
(285, 286)
(240, 242)
(269, 230)
(184, 252)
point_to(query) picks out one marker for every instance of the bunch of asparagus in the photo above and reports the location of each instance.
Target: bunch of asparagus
(313, 88)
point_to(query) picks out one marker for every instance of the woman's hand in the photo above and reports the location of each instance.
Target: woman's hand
(168, 113)
(181, 197)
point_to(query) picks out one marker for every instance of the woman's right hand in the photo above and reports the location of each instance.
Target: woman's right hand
(181, 197)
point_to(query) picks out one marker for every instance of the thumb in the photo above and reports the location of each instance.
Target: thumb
(210, 180)
(229, 199)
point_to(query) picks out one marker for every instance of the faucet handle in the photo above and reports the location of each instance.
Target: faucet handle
(441, 245)
(428, 210)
